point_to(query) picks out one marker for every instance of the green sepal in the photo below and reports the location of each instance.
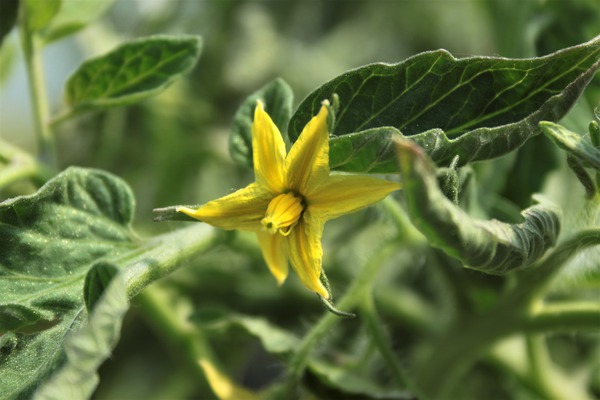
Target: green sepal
(328, 303)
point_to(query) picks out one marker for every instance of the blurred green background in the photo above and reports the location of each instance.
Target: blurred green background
(172, 149)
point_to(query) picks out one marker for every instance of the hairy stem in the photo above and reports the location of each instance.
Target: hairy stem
(361, 285)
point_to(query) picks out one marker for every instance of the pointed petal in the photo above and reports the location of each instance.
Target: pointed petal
(242, 209)
(344, 194)
(274, 252)
(307, 163)
(268, 151)
(306, 253)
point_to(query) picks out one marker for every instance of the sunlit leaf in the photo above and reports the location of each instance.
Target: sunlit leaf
(133, 71)
(477, 107)
(277, 97)
(39, 13)
(489, 246)
(573, 143)
(73, 16)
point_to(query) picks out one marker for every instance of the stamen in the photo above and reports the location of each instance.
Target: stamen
(283, 213)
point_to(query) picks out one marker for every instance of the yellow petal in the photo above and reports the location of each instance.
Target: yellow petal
(306, 253)
(307, 163)
(243, 209)
(221, 385)
(268, 151)
(274, 252)
(344, 194)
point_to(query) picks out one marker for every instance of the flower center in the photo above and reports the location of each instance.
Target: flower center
(283, 213)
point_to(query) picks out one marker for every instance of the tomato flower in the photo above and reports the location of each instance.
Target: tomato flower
(292, 198)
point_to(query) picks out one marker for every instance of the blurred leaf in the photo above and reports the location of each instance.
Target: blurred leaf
(133, 71)
(477, 108)
(352, 384)
(277, 96)
(489, 246)
(48, 242)
(73, 16)
(8, 17)
(39, 13)
(573, 143)
(87, 348)
(274, 339)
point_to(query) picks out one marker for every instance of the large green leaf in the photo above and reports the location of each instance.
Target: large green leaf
(86, 349)
(489, 246)
(277, 96)
(133, 71)
(477, 107)
(63, 254)
(73, 16)
(48, 242)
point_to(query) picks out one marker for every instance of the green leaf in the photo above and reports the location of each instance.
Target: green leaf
(277, 96)
(489, 246)
(59, 248)
(96, 281)
(132, 72)
(39, 13)
(573, 143)
(8, 17)
(73, 16)
(350, 383)
(86, 349)
(477, 108)
(274, 339)
(48, 242)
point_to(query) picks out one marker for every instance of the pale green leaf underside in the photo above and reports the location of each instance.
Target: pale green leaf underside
(477, 107)
(277, 97)
(573, 143)
(489, 246)
(39, 13)
(132, 72)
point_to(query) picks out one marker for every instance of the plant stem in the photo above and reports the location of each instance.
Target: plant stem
(362, 284)
(564, 317)
(382, 342)
(168, 252)
(31, 45)
(459, 348)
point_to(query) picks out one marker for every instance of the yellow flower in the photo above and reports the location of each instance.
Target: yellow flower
(292, 197)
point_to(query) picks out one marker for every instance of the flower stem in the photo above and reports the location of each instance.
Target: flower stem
(31, 45)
